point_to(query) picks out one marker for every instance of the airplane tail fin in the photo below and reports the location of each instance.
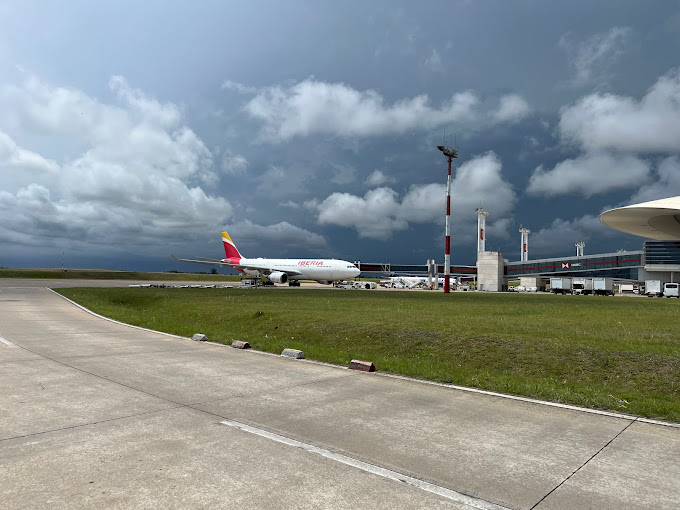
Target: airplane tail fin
(230, 249)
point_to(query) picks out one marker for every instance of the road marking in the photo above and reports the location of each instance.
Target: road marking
(371, 468)
(7, 342)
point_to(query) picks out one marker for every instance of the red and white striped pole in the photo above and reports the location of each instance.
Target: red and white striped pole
(450, 154)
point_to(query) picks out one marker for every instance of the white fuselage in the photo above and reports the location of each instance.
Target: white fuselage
(308, 269)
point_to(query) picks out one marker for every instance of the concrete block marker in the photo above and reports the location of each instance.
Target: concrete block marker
(293, 353)
(238, 344)
(199, 337)
(364, 366)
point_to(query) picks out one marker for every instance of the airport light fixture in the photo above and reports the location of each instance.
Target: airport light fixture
(579, 248)
(450, 154)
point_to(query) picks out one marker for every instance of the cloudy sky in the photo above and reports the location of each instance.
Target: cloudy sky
(133, 130)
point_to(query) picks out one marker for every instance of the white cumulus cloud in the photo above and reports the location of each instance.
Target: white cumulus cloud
(607, 121)
(590, 174)
(311, 107)
(375, 215)
(233, 164)
(381, 212)
(378, 178)
(666, 182)
(139, 170)
(512, 108)
(283, 237)
(20, 167)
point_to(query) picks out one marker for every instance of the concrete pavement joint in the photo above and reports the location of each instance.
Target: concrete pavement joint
(128, 353)
(467, 389)
(584, 464)
(81, 425)
(450, 494)
(100, 376)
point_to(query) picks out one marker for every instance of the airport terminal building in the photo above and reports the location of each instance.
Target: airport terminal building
(659, 259)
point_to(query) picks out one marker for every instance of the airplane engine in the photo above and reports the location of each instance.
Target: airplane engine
(278, 277)
(325, 282)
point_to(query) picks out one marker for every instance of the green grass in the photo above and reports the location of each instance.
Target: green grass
(103, 274)
(621, 354)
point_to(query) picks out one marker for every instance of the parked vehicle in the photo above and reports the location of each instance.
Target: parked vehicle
(582, 286)
(603, 286)
(560, 285)
(653, 288)
(672, 290)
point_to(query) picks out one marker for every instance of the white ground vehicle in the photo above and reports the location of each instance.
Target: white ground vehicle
(653, 288)
(560, 285)
(582, 286)
(672, 290)
(603, 286)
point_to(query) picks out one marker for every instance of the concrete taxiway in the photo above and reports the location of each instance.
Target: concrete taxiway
(96, 414)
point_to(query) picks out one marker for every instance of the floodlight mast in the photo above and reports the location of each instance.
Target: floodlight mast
(450, 154)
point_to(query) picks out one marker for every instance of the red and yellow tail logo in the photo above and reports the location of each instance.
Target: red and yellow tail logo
(230, 249)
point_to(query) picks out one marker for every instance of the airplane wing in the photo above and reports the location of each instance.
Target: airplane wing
(210, 262)
(266, 270)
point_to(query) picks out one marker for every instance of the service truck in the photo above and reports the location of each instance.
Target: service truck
(603, 286)
(671, 290)
(626, 287)
(560, 285)
(582, 286)
(653, 288)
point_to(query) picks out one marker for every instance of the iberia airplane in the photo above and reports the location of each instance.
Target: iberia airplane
(282, 270)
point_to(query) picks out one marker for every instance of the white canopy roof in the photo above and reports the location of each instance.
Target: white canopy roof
(658, 219)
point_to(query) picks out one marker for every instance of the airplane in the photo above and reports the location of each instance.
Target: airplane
(289, 271)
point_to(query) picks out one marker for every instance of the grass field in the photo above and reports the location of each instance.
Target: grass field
(103, 274)
(615, 353)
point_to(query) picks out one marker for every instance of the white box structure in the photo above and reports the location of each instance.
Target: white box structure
(491, 271)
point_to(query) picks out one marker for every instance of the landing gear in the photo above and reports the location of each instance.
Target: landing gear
(293, 283)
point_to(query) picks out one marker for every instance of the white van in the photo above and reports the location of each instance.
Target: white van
(671, 290)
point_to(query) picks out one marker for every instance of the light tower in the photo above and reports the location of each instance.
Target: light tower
(525, 243)
(481, 227)
(579, 248)
(450, 154)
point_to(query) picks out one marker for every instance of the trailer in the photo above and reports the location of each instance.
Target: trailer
(626, 287)
(560, 285)
(603, 286)
(653, 288)
(672, 290)
(582, 286)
